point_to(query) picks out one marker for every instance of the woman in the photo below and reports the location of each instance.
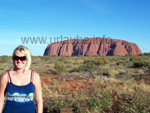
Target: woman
(20, 84)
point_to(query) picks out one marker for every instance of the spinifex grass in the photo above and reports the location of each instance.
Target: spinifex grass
(101, 95)
(92, 84)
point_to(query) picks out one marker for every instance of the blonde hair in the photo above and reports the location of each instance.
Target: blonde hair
(27, 53)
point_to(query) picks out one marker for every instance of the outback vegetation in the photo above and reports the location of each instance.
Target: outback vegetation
(92, 84)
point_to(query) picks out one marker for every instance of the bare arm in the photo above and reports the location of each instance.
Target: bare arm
(3, 84)
(38, 92)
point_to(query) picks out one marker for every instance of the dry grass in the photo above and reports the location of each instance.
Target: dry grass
(89, 83)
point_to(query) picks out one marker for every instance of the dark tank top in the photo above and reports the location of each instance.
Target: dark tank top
(19, 98)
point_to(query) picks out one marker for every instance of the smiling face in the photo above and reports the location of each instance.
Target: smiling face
(17, 60)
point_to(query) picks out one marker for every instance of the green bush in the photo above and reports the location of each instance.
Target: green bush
(97, 61)
(77, 69)
(146, 54)
(36, 59)
(93, 102)
(91, 64)
(124, 62)
(128, 55)
(4, 67)
(137, 103)
(61, 59)
(100, 61)
(141, 63)
(4, 59)
(53, 105)
(112, 72)
(46, 58)
(85, 67)
(131, 59)
(102, 101)
(88, 66)
(59, 67)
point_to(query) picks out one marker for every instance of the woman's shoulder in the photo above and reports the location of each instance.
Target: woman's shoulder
(4, 76)
(35, 76)
(5, 73)
(35, 73)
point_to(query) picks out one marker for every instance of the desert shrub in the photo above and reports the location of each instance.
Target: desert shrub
(61, 59)
(54, 105)
(141, 63)
(4, 67)
(88, 66)
(99, 61)
(36, 59)
(87, 55)
(137, 103)
(129, 54)
(54, 56)
(146, 54)
(116, 58)
(93, 102)
(4, 59)
(124, 62)
(46, 58)
(102, 101)
(77, 69)
(87, 61)
(48, 65)
(80, 55)
(112, 72)
(59, 67)
(95, 55)
(84, 67)
(105, 72)
(67, 62)
(131, 59)
(76, 63)
(138, 71)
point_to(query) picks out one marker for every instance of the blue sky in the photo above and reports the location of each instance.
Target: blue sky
(119, 19)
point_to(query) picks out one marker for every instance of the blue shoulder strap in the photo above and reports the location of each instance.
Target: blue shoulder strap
(31, 75)
(9, 76)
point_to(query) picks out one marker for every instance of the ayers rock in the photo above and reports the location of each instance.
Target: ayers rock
(92, 46)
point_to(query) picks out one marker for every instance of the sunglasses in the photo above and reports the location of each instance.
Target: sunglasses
(23, 58)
